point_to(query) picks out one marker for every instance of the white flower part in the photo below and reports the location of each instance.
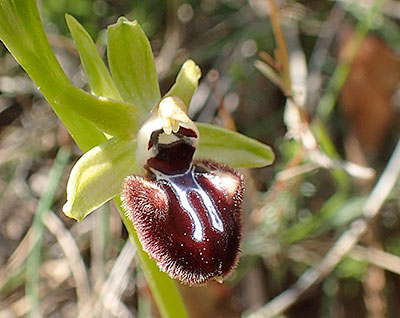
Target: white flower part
(170, 111)
(167, 117)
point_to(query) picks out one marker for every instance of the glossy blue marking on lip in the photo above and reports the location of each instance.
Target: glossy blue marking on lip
(187, 222)
(182, 185)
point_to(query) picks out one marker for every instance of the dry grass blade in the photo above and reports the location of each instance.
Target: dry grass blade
(98, 246)
(297, 118)
(320, 54)
(283, 55)
(78, 269)
(110, 295)
(377, 257)
(171, 42)
(16, 260)
(270, 73)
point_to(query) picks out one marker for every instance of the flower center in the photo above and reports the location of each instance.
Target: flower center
(168, 139)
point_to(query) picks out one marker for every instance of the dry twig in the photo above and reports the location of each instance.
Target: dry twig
(171, 42)
(71, 251)
(111, 292)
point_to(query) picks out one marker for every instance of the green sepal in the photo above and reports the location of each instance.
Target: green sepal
(98, 176)
(116, 118)
(186, 82)
(99, 78)
(231, 148)
(132, 64)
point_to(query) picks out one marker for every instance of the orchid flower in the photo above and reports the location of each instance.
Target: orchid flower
(181, 195)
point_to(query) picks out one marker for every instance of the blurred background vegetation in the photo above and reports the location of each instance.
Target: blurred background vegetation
(294, 211)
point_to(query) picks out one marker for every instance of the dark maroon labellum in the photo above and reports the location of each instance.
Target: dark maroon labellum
(187, 214)
(189, 223)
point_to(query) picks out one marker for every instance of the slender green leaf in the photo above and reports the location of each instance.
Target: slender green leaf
(186, 82)
(341, 177)
(99, 78)
(98, 176)
(113, 117)
(132, 64)
(232, 148)
(23, 34)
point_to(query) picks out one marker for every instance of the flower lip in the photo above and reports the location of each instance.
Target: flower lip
(189, 223)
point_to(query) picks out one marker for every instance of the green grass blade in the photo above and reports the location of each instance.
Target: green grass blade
(38, 227)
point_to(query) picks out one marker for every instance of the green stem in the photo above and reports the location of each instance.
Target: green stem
(164, 289)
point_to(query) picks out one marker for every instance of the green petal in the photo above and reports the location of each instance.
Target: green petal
(132, 64)
(99, 78)
(232, 148)
(113, 117)
(98, 176)
(186, 82)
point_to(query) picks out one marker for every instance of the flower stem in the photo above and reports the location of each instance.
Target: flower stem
(164, 289)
